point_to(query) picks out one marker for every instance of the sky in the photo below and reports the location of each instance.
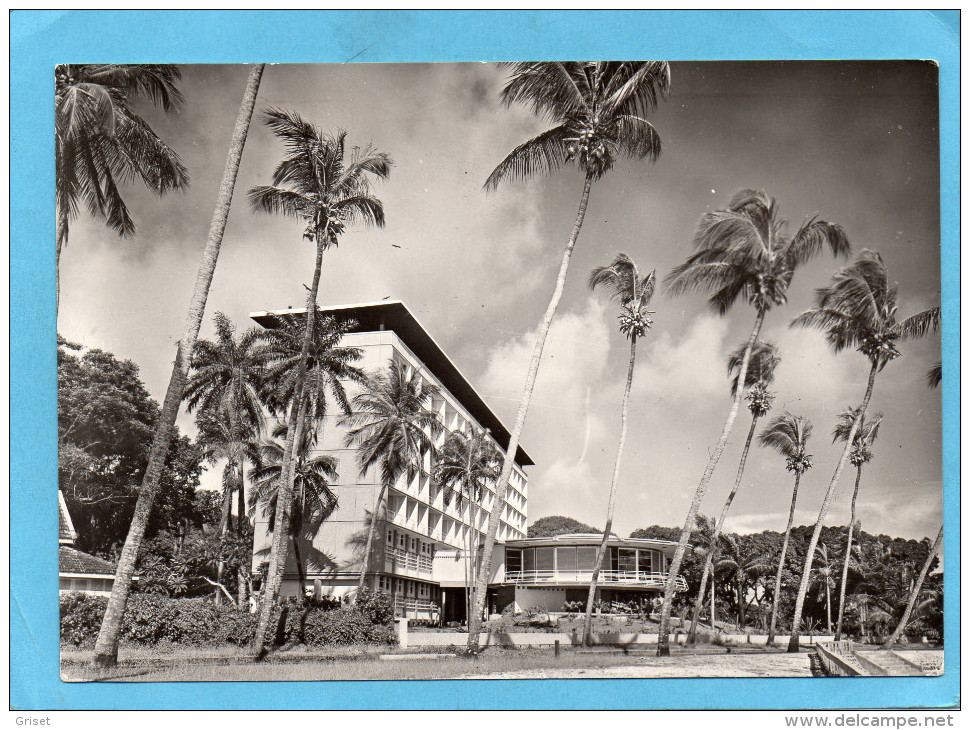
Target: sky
(855, 143)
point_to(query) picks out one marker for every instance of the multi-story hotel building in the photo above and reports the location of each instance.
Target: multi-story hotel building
(425, 551)
(419, 528)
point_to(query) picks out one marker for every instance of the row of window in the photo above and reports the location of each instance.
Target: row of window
(409, 543)
(582, 558)
(408, 588)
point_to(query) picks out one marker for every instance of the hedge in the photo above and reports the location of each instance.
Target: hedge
(151, 619)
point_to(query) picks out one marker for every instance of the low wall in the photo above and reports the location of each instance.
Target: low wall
(460, 638)
(631, 639)
(838, 660)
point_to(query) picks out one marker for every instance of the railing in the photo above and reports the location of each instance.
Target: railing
(611, 577)
(403, 604)
(407, 561)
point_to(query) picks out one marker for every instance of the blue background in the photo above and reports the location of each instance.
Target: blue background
(41, 39)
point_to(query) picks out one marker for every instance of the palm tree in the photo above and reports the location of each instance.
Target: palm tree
(705, 546)
(464, 467)
(825, 580)
(857, 309)
(861, 453)
(101, 142)
(224, 387)
(328, 366)
(743, 564)
(934, 378)
(392, 426)
(788, 435)
(106, 647)
(633, 292)
(598, 110)
(741, 252)
(315, 184)
(915, 592)
(219, 443)
(761, 372)
(313, 499)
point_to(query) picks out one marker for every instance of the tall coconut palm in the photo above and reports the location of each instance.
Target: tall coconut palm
(857, 309)
(860, 455)
(633, 293)
(761, 372)
(934, 378)
(741, 251)
(914, 593)
(318, 186)
(392, 428)
(465, 466)
(598, 110)
(106, 647)
(224, 386)
(788, 435)
(313, 499)
(101, 142)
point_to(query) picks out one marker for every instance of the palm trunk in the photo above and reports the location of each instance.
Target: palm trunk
(106, 647)
(601, 553)
(61, 239)
(374, 519)
(663, 639)
(813, 543)
(241, 502)
(284, 501)
(781, 561)
(828, 606)
(468, 560)
(709, 563)
(914, 594)
(713, 627)
(848, 553)
(501, 487)
(300, 569)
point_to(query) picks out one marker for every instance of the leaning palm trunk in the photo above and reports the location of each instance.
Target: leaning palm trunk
(294, 435)
(914, 595)
(663, 640)
(813, 543)
(781, 562)
(601, 553)
(848, 553)
(375, 518)
(106, 647)
(501, 487)
(709, 563)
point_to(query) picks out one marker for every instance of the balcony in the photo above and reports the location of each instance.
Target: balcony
(402, 562)
(611, 578)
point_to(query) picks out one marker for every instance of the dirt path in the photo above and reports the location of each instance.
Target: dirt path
(729, 665)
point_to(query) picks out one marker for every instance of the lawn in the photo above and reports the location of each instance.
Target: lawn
(494, 663)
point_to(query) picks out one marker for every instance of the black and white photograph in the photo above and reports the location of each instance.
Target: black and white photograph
(524, 370)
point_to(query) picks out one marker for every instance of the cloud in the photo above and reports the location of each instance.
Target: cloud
(574, 359)
(686, 368)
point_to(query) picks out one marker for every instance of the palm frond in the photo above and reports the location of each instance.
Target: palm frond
(541, 154)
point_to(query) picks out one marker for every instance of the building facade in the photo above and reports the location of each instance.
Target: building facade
(79, 571)
(418, 529)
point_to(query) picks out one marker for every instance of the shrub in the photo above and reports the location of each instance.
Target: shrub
(376, 605)
(81, 617)
(151, 618)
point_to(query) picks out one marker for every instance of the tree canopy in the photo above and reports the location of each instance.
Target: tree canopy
(105, 424)
(558, 525)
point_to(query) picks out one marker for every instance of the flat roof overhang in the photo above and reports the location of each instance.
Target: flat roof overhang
(394, 316)
(592, 540)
